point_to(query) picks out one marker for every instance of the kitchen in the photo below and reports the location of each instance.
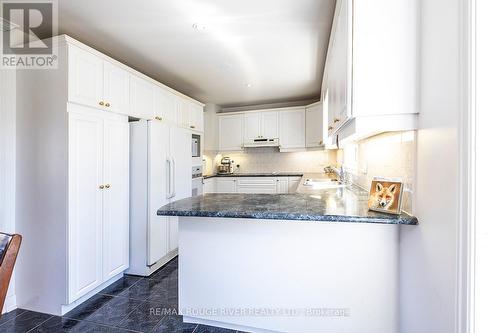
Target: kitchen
(223, 167)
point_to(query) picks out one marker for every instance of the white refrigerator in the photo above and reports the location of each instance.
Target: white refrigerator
(160, 173)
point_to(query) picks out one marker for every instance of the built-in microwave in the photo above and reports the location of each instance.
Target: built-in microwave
(195, 145)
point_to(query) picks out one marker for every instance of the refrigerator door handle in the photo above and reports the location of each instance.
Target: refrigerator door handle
(173, 178)
(169, 177)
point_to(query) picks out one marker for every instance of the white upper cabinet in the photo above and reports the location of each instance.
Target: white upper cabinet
(141, 98)
(269, 124)
(97, 83)
(85, 78)
(231, 132)
(315, 128)
(370, 82)
(116, 85)
(292, 124)
(196, 117)
(260, 125)
(252, 126)
(183, 113)
(164, 106)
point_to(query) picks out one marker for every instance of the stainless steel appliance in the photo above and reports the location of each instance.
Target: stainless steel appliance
(226, 166)
(197, 181)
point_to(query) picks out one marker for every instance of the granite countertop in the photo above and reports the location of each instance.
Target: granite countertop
(348, 204)
(265, 174)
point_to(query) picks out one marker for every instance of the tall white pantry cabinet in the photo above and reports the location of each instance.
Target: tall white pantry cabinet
(73, 171)
(73, 185)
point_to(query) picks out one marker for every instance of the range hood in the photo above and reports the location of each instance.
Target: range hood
(256, 143)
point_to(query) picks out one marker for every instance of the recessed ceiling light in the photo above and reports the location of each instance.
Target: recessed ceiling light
(248, 85)
(199, 27)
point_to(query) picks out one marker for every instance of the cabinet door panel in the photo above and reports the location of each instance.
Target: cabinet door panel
(85, 203)
(85, 78)
(196, 117)
(230, 132)
(314, 126)
(183, 113)
(340, 70)
(282, 185)
(141, 98)
(165, 106)
(116, 88)
(269, 124)
(292, 129)
(116, 198)
(226, 185)
(252, 126)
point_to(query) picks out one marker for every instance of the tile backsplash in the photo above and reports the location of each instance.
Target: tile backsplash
(270, 160)
(390, 155)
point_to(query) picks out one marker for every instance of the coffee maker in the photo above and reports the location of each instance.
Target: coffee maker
(226, 166)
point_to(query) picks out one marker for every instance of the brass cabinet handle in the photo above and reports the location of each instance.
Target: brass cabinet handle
(101, 187)
(107, 186)
(158, 118)
(336, 120)
(101, 103)
(107, 105)
(320, 143)
(330, 128)
(192, 126)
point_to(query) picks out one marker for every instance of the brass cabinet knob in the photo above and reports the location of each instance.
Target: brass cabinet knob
(330, 128)
(101, 187)
(320, 143)
(158, 118)
(101, 103)
(107, 186)
(336, 120)
(192, 126)
(107, 105)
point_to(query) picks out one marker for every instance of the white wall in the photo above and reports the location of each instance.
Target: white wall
(8, 162)
(429, 253)
(487, 273)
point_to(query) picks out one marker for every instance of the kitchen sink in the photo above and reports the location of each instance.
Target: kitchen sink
(323, 183)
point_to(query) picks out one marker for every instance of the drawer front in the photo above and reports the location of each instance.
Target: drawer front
(257, 181)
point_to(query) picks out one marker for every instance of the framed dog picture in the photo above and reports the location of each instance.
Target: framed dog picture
(386, 195)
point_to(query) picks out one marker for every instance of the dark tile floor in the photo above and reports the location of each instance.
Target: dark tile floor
(132, 304)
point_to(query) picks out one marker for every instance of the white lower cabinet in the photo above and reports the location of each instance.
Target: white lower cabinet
(97, 199)
(282, 185)
(254, 184)
(226, 185)
(208, 185)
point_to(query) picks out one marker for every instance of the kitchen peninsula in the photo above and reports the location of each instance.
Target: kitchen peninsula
(312, 261)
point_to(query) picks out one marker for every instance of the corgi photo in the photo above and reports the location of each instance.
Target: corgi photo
(385, 196)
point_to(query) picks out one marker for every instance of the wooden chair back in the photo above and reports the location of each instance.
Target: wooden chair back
(9, 248)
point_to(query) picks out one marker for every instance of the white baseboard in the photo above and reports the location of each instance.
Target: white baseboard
(65, 308)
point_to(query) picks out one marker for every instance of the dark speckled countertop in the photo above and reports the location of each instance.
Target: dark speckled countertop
(267, 174)
(348, 204)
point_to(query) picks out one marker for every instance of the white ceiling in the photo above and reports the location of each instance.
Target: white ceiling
(276, 46)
